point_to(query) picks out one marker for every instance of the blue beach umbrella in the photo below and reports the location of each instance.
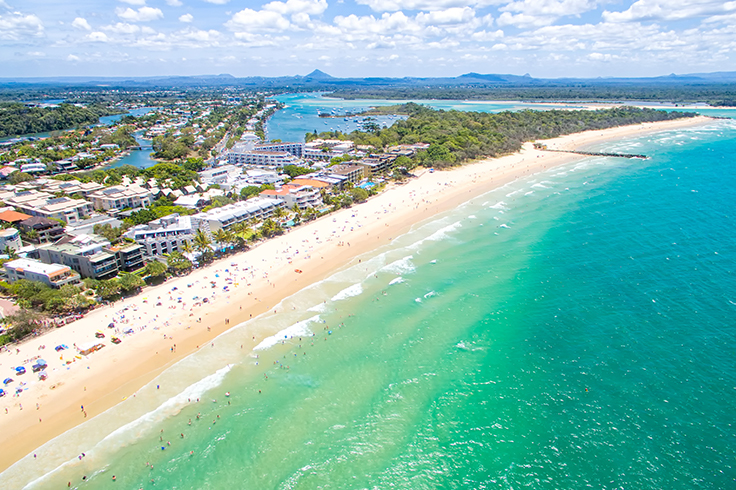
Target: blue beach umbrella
(7, 381)
(20, 370)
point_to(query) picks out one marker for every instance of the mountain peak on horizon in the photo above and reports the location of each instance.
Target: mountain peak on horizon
(319, 74)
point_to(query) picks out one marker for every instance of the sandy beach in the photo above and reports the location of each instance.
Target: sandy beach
(168, 322)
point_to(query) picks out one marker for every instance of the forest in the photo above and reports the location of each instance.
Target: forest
(17, 119)
(711, 94)
(457, 136)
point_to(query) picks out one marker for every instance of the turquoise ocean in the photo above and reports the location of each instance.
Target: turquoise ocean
(574, 329)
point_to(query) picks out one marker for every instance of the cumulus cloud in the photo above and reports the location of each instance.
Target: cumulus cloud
(15, 26)
(669, 10)
(72, 57)
(174, 3)
(257, 20)
(309, 7)
(97, 37)
(81, 23)
(122, 28)
(531, 13)
(186, 18)
(134, 2)
(143, 14)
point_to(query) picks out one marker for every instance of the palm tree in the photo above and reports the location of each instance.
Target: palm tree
(10, 252)
(187, 247)
(220, 237)
(201, 241)
(279, 212)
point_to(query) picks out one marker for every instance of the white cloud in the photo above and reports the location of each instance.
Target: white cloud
(81, 23)
(72, 57)
(455, 15)
(134, 2)
(431, 5)
(217, 2)
(122, 28)
(15, 26)
(523, 20)
(669, 10)
(535, 13)
(36, 54)
(257, 20)
(98, 37)
(309, 7)
(143, 14)
(174, 3)
(186, 18)
(487, 36)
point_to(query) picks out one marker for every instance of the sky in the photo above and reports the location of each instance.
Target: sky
(360, 38)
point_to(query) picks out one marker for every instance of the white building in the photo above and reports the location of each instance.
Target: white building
(10, 237)
(261, 158)
(121, 197)
(53, 275)
(45, 205)
(226, 216)
(303, 196)
(295, 148)
(164, 235)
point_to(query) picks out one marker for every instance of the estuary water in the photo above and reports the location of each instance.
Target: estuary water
(574, 329)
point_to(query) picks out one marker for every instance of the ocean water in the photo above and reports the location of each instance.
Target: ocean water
(574, 329)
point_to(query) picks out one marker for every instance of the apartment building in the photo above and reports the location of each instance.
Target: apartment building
(121, 197)
(164, 235)
(53, 275)
(225, 217)
(86, 254)
(303, 196)
(43, 204)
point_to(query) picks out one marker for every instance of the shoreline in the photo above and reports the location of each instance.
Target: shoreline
(321, 252)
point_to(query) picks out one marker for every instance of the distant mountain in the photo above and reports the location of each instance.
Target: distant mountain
(319, 75)
(319, 80)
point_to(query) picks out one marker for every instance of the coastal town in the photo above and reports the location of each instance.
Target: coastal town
(79, 231)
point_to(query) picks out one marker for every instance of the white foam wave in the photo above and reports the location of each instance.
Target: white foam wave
(430, 294)
(540, 186)
(348, 292)
(499, 205)
(401, 266)
(503, 226)
(398, 280)
(438, 235)
(296, 330)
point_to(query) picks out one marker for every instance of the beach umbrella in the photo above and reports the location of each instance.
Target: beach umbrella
(41, 362)
(20, 370)
(111, 325)
(7, 381)
(2, 393)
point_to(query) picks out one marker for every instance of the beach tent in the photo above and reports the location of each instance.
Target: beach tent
(90, 347)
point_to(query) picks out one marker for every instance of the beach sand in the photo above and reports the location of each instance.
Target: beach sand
(166, 319)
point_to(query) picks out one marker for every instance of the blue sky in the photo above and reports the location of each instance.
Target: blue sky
(545, 38)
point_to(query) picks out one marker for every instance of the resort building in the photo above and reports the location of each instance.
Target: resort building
(85, 254)
(164, 235)
(296, 149)
(226, 216)
(10, 238)
(121, 197)
(53, 275)
(303, 196)
(129, 256)
(70, 187)
(354, 173)
(261, 158)
(320, 149)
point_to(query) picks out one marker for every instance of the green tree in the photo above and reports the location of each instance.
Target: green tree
(155, 269)
(177, 263)
(358, 194)
(129, 282)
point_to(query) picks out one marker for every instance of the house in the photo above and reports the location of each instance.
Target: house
(53, 275)
(41, 230)
(10, 216)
